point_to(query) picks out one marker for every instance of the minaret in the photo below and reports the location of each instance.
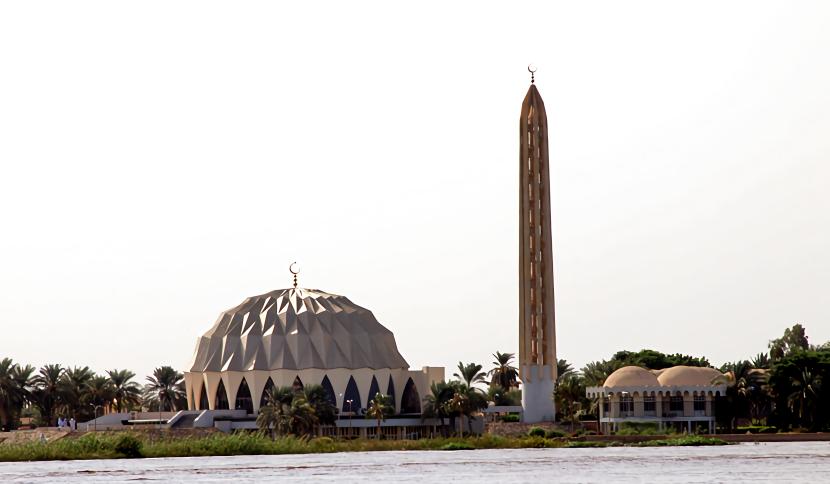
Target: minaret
(537, 332)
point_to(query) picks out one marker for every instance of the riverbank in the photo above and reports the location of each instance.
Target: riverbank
(136, 444)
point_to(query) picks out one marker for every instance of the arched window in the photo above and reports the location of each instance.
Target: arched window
(297, 386)
(221, 402)
(243, 398)
(390, 390)
(410, 400)
(326, 384)
(203, 399)
(351, 400)
(374, 389)
(269, 389)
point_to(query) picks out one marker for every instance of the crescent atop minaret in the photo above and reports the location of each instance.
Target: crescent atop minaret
(292, 270)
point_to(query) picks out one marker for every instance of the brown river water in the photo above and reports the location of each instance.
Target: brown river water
(766, 462)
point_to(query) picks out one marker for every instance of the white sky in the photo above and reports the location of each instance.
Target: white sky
(161, 161)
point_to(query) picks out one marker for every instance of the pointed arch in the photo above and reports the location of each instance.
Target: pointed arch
(330, 396)
(297, 386)
(410, 400)
(268, 390)
(390, 390)
(243, 398)
(221, 402)
(374, 389)
(203, 398)
(352, 395)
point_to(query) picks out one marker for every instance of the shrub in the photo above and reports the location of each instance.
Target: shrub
(638, 428)
(580, 443)
(536, 432)
(128, 446)
(511, 417)
(554, 434)
(458, 446)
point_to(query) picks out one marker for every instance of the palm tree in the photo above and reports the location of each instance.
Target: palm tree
(15, 390)
(126, 393)
(803, 398)
(470, 374)
(48, 393)
(167, 385)
(273, 416)
(99, 391)
(456, 405)
(569, 394)
(435, 404)
(379, 408)
(301, 417)
(318, 398)
(761, 360)
(596, 372)
(504, 374)
(563, 368)
(73, 385)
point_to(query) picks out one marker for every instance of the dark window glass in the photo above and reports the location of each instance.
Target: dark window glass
(243, 398)
(221, 397)
(352, 395)
(410, 400)
(676, 404)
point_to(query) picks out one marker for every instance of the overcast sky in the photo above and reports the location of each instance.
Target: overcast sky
(161, 161)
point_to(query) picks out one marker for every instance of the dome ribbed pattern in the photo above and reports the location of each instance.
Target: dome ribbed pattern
(296, 329)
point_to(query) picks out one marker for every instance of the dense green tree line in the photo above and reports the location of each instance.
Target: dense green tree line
(54, 391)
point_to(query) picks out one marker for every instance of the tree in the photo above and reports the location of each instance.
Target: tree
(569, 396)
(595, 372)
(470, 373)
(167, 385)
(98, 392)
(126, 393)
(48, 392)
(73, 386)
(301, 417)
(274, 415)
(503, 397)
(324, 409)
(761, 360)
(563, 368)
(504, 374)
(798, 384)
(435, 404)
(15, 391)
(794, 339)
(379, 408)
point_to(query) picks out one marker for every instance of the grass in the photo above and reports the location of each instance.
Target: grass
(687, 440)
(128, 444)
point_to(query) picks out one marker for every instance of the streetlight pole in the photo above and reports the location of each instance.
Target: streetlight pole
(350, 417)
(94, 417)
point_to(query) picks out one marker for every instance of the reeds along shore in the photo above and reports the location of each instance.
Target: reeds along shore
(126, 444)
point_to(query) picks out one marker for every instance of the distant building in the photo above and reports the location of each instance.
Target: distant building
(680, 397)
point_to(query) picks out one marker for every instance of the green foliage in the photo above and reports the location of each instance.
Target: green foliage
(689, 440)
(128, 446)
(166, 387)
(577, 444)
(458, 446)
(800, 385)
(536, 432)
(470, 373)
(794, 340)
(511, 417)
(554, 434)
(639, 428)
(758, 429)
(504, 374)
(656, 360)
(499, 396)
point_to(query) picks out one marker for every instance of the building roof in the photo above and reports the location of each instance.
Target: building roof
(631, 376)
(689, 376)
(296, 329)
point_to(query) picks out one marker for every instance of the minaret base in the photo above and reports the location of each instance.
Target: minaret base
(537, 394)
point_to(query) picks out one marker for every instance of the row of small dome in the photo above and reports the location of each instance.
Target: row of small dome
(676, 376)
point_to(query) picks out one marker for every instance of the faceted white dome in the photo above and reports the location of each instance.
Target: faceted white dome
(296, 329)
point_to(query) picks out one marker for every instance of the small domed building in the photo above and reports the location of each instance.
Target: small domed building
(295, 337)
(681, 397)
